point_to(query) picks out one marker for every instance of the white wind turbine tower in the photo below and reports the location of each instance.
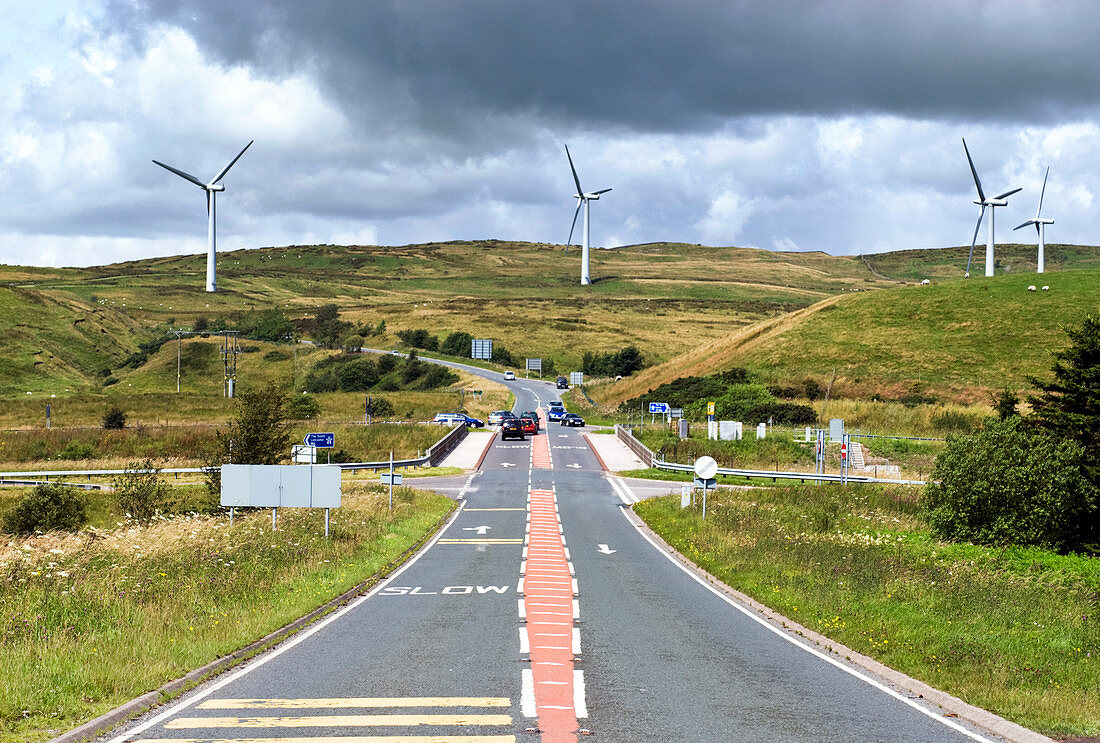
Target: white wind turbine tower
(1040, 224)
(983, 202)
(211, 189)
(582, 198)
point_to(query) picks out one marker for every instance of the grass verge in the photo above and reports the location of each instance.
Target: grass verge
(1015, 631)
(92, 620)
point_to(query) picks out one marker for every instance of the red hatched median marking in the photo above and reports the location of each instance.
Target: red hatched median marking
(548, 607)
(540, 447)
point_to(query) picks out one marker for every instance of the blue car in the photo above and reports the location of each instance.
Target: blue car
(474, 422)
(555, 414)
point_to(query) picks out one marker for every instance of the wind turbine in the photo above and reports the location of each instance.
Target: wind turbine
(585, 199)
(983, 202)
(1040, 223)
(211, 189)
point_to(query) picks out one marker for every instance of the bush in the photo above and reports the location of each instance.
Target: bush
(76, 450)
(621, 363)
(1011, 484)
(109, 381)
(140, 492)
(380, 407)
(276, 355)
(114, 418)
(47, 508)
(302, 407)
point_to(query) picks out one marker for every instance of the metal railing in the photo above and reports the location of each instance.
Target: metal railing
(652, 460)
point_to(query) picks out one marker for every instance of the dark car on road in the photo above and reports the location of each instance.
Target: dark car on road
(571, 419)
(563, 383)
(474, 422)
(511, 429)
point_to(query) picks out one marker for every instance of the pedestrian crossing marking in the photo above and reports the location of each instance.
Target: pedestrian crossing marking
(314, 721)
(355, 702)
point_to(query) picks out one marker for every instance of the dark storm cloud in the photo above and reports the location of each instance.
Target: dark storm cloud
(657, 66)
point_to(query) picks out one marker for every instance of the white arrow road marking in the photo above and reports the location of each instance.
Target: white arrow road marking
(603, 548)
(563, 435)
(507, 464)
(482, 529)
(574, 466)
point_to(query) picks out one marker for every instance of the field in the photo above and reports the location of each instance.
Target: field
(1012, 630)
(93, 620)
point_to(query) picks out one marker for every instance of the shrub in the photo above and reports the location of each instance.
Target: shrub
(1011, 484)
(109, 381)
(621, 363)
(276, 355)
(114, 418)
(76, 450)
(380, 407)
(457, 344)
(140, 492)
(47, 508)
(302, 407)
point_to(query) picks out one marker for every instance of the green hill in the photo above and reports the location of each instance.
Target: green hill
(957, 339)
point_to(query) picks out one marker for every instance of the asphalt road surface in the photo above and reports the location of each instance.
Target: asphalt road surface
(540, 613)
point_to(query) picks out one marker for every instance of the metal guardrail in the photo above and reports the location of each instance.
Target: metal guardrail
(647, 456)
(433, 456)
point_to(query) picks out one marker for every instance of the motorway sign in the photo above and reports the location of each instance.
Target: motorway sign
(676, 412)
(534, 365)
(481, 348)
(576, 378)
(321, 440)
(658, 407)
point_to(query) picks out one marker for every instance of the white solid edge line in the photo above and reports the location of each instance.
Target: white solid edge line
(522, 609)
(782, 633)
(576, 641)
(524, 641)
(580, 706)
(264, 658)
(527, 694)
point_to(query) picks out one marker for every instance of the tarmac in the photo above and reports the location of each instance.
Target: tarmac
(612, 453)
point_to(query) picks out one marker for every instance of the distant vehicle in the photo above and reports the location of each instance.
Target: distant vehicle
(454, 418)
(509, 376)
(533, 416)
(571, 419)
(474, 422)
(497, 417)
(555, 414)
(563, 383)
(555, 404)
(395, 353)
(528, 425)
(511, 429)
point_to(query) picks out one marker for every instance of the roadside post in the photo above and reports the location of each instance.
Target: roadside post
(705, 470)
(47, 416)
(844, 459)
(685, 495)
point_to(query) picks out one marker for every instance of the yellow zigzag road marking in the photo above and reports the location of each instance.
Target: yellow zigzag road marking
(351, 702)
(186, 723)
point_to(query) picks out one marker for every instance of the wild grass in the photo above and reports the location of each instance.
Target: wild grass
(1013, 630)
(91, 620)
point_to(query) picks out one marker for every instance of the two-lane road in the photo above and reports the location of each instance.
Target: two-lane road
(541, 613)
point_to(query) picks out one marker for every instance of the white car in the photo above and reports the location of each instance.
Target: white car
(509, 376)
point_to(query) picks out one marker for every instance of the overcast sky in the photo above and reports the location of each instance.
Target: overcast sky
(803, 125)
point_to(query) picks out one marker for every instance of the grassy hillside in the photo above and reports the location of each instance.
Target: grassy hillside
(956, 339)
(1014, 258)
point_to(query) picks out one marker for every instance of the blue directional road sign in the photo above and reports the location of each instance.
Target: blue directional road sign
(321, 440)
(658, 407)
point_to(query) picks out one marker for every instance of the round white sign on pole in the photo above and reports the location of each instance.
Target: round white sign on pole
(706, 468)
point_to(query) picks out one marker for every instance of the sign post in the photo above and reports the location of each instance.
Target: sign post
(705, 470)
(321, 441)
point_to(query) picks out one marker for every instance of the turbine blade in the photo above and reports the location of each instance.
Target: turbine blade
(181, 174)
(575, 178)
(1025, 224)
(1041, 195)
(1006, 194)
(232, 162)
(974, 240)
(973, 170)
(573, 226)
(597, 193)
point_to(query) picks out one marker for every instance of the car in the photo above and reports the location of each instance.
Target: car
(555, 414)
(533, 416)
(498, 416)
(453, 418)
(509, 376)
(571, 419)
(563, 383)
(395, 353)
(511, 429)
(474, 422)
(528, 425)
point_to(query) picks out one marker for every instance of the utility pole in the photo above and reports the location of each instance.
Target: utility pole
(179, 352)
(229, 361)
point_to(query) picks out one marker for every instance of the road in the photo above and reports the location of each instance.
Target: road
(541, 613)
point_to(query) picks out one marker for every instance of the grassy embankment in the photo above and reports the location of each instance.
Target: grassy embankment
(1015, 631)
(956, 340)
(92, 620)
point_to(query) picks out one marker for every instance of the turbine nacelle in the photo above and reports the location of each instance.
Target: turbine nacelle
(214, 186)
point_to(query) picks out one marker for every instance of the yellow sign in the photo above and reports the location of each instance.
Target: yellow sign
(710, 408)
